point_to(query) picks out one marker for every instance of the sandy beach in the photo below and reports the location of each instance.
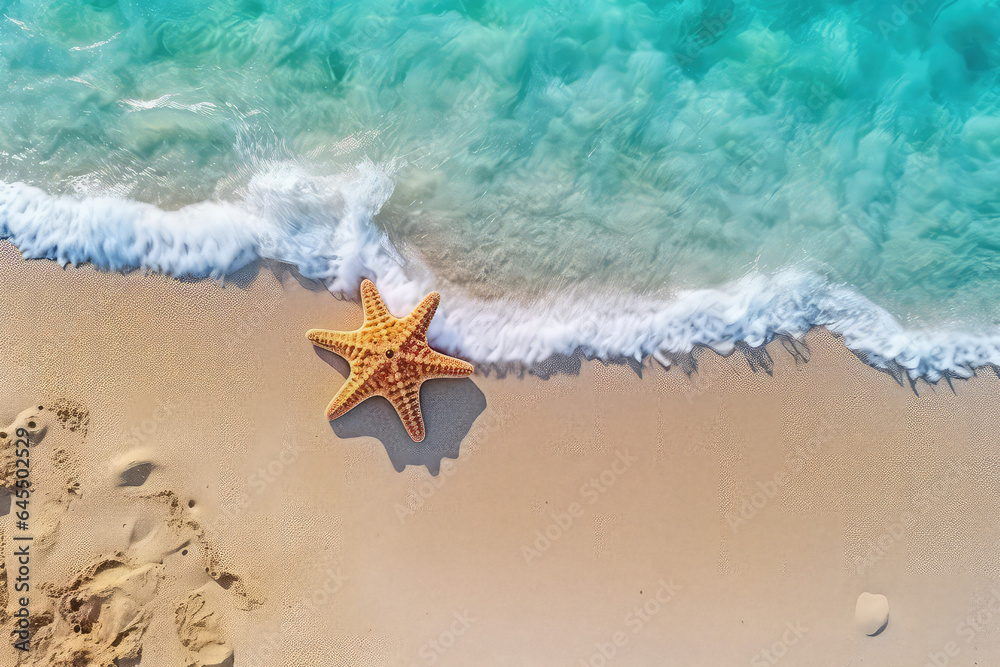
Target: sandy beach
(191, 505)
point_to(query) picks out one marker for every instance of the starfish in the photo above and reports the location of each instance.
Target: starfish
(389, 357)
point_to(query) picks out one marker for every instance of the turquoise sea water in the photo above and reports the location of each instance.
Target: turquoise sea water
(654, 174)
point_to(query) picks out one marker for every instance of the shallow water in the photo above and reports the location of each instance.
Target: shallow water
(657, 174)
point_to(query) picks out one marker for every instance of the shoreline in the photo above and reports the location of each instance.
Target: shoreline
(331, 544)
(749, 310)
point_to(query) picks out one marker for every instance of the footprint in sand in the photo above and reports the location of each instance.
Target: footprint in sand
(101, 614)
(200, 631)
(134, 468)
(100, 618)
(54, 476)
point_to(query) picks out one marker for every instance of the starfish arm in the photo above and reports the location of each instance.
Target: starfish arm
(389, 357)
(407, 404)
(371, 302)
(421, 316)
(341, 342)
(353, 392)
(437, 365)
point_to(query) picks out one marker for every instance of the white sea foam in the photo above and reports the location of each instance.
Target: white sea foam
(324, 226)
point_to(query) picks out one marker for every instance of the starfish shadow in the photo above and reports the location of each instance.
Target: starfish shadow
(449, 406)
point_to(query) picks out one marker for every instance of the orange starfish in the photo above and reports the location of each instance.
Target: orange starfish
(389, 357)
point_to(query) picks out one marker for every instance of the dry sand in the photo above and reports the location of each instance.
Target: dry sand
(191, 506)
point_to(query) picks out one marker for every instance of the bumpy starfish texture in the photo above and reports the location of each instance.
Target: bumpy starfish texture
(389, 357)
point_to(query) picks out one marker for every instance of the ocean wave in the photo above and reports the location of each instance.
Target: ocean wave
(322, 225)
(754, 311)
(637, 144)
(325, 227)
